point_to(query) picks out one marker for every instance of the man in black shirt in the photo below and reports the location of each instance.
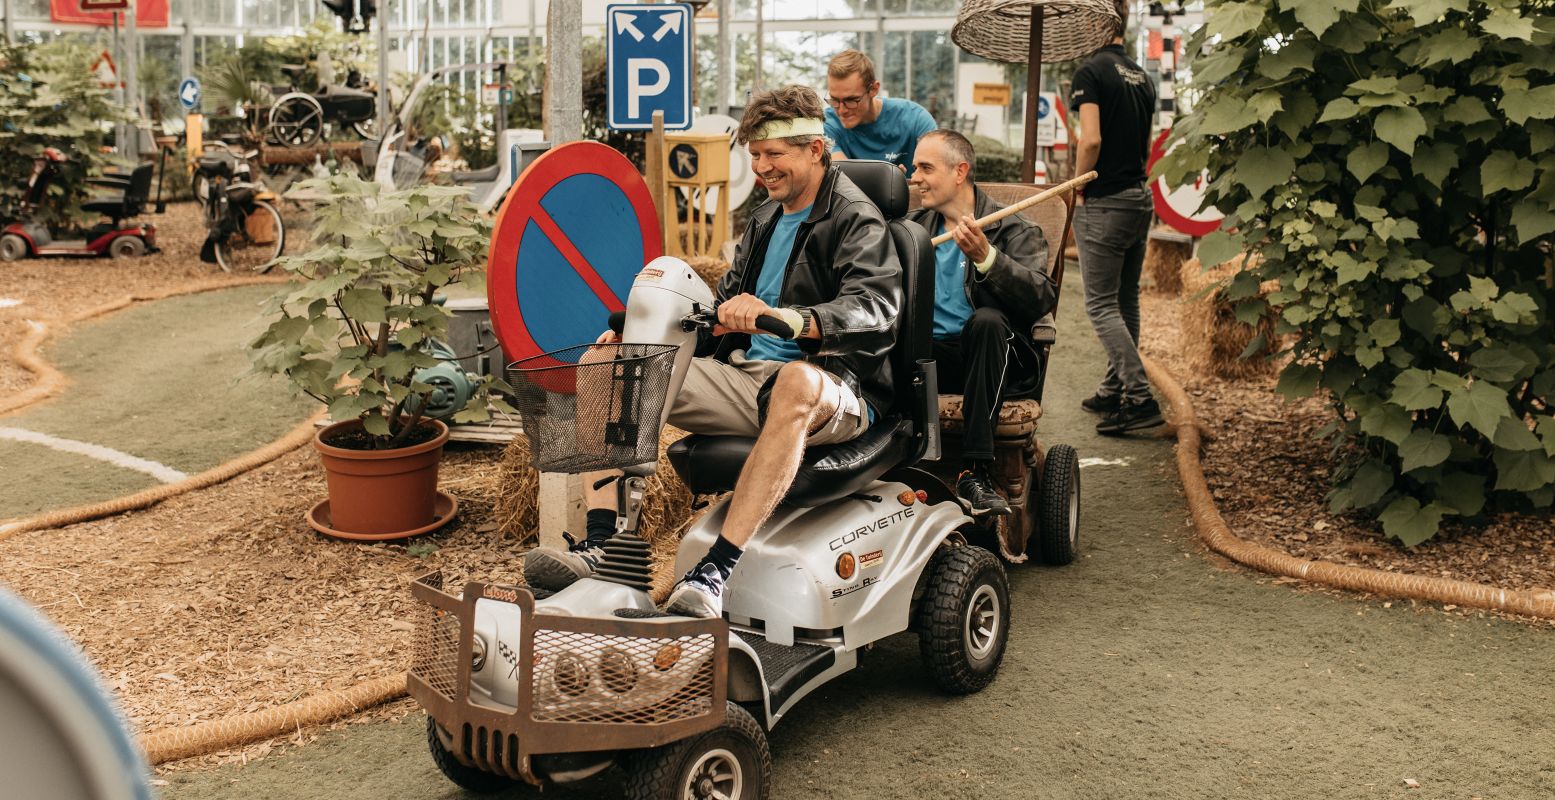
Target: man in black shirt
(1115, 100)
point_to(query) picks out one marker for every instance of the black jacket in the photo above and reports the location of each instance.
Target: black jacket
(1017, 283)
(844, 270)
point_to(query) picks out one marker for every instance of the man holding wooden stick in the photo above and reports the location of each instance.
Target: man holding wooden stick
(990, 286)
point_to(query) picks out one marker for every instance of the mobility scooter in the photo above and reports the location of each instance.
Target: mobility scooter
(126, 200)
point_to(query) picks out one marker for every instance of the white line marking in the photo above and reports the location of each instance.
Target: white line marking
(1106, 462)
(6, 302)
(161, 472)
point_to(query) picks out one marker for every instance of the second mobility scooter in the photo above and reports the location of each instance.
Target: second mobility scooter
(125, 200)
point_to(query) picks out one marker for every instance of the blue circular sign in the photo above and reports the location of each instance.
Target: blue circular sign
(189, 93)
(1042, 107)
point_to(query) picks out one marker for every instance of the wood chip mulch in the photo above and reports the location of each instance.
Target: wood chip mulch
(1269, 474)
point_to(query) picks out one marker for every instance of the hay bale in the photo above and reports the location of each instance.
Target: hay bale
(711, 269)
(666, 507)
(1163, 264)
(1212, 337)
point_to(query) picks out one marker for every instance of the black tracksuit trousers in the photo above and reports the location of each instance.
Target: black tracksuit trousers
(982, 364)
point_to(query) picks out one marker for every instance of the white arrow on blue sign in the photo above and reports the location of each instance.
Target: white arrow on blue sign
(189, 93)
(649, 65)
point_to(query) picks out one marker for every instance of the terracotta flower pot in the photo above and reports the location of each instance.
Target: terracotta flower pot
(381, 494)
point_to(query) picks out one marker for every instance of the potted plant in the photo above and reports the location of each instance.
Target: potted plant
(351, 329)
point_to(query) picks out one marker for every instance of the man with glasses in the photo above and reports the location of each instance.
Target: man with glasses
(862, 124)
(818, 256)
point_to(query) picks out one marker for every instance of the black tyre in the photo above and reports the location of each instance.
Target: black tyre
(240, 251)
(296, 121)
(366, 128)
(127, 247)
(964, 618)
(1057, 539)
(468, 778)
(12, 247)
(731, 762)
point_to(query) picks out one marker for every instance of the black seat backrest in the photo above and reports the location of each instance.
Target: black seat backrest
(139, 190)
(886, 185)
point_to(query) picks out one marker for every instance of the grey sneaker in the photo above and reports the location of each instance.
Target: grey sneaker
(550, 568)
(699, 594)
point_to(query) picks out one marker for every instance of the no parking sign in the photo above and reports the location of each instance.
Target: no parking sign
(570, 238)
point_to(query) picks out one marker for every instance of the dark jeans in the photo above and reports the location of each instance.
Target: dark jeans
(1111, 232)
(985, 365)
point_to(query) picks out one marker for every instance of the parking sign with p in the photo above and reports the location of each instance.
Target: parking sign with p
(649, 65)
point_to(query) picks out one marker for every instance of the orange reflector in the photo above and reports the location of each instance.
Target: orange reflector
(667, 657)
(846, 566)
(923, 497)
(906, 498)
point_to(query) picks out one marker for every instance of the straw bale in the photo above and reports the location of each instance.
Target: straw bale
(711, 269)
(1163, 263)
(1212, 337)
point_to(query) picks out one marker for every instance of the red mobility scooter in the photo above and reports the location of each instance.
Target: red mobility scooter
(125, 200)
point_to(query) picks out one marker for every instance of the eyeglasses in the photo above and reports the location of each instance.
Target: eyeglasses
(846, 102)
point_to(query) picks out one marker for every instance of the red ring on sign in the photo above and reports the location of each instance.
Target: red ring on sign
(515, 214)
(1163, 209)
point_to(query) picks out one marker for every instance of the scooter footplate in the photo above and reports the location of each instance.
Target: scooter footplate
(788, 668)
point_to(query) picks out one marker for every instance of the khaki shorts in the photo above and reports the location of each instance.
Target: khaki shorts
(719, 399)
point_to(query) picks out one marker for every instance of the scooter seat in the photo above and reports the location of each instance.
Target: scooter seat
(711, 464)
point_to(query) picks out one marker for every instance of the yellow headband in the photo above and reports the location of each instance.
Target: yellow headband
(784, 128)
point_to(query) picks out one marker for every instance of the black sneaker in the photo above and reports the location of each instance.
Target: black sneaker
(979, 495)
(1131, 417)
(699, 594)
(1101, 403)
(549, 568)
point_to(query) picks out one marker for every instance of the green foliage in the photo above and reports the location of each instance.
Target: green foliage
(50, 98)
(233, 85)
(358, 318)
(1394, 166)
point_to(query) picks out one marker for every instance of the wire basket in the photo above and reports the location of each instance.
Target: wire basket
(593, 407)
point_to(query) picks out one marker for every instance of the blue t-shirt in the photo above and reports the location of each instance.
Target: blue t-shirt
(769, 287)
(891, 137)
(951, 308)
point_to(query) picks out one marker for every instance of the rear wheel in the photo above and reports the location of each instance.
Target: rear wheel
(127, 247)
(964, 618)
(468, 778)
(12, 247)
(255, 244)
(366, 128)
(732, 762)
(296, 121)
(1058, 507)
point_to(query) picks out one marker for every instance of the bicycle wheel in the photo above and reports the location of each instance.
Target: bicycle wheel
(296, 121)
(255, 244)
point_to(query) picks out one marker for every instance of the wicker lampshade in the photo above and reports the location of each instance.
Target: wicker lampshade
(1000, 30)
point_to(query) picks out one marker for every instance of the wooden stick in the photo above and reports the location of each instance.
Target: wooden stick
(1015, 208)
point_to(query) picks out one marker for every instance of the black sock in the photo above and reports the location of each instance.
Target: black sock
(601, 526)
(723, 555)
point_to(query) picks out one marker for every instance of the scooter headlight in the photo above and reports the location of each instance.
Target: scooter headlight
(570, 675)
(477, 653)
(617, 671)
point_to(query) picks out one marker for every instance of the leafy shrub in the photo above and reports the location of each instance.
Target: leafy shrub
(1394, 166)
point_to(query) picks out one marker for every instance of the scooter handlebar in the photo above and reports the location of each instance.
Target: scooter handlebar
(775, 326)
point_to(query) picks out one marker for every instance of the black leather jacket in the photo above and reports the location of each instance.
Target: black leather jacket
(844, 270)
(1017, 283)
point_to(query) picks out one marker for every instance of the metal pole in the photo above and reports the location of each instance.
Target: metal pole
(186, 46)
(761, 38)
(533, 34)
(725, 59)
(564, 71)
(1028, 164)
(382, 23)
(131, 66)
(5, 9)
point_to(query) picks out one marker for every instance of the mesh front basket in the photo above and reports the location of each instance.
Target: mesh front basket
(598, 408)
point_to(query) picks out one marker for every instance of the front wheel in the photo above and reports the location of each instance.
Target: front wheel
(127, 247)
(468, 778)
(296, 120)
(731, 762)
(964, 618)
(256, 242)
(12, 247)
(366, 128)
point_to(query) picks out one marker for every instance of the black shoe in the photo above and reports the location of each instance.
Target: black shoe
(1101, 403)
(979, 495)
(549, 568)
(1131, 417)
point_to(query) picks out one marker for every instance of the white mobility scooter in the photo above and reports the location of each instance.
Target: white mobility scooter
(524, 687)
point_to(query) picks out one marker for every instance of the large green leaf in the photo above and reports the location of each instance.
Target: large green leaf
(1523, 470)
(1298, 381)
(1507, 24)
(1388, 421)
(1520, 105)
(1339, 108)
(1514, 434)
(1218, 248)
(1451, 44)
(1262, 168)
(1500, 363)
(1230, 20)
(365, 305)
(1400, 127)
(1424, 12)
(1435, 161)
(1405, 520)
(1423, 448)
(1533, 219)
(1227, 115)
(1369, 483)
(1363, 162)
(1318, 15)
(1464, 492)
(1503, 170)
(1412, 389)
(1479, 405)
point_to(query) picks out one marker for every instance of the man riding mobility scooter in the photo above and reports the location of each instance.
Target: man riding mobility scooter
(525, 685)
(30, 237)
